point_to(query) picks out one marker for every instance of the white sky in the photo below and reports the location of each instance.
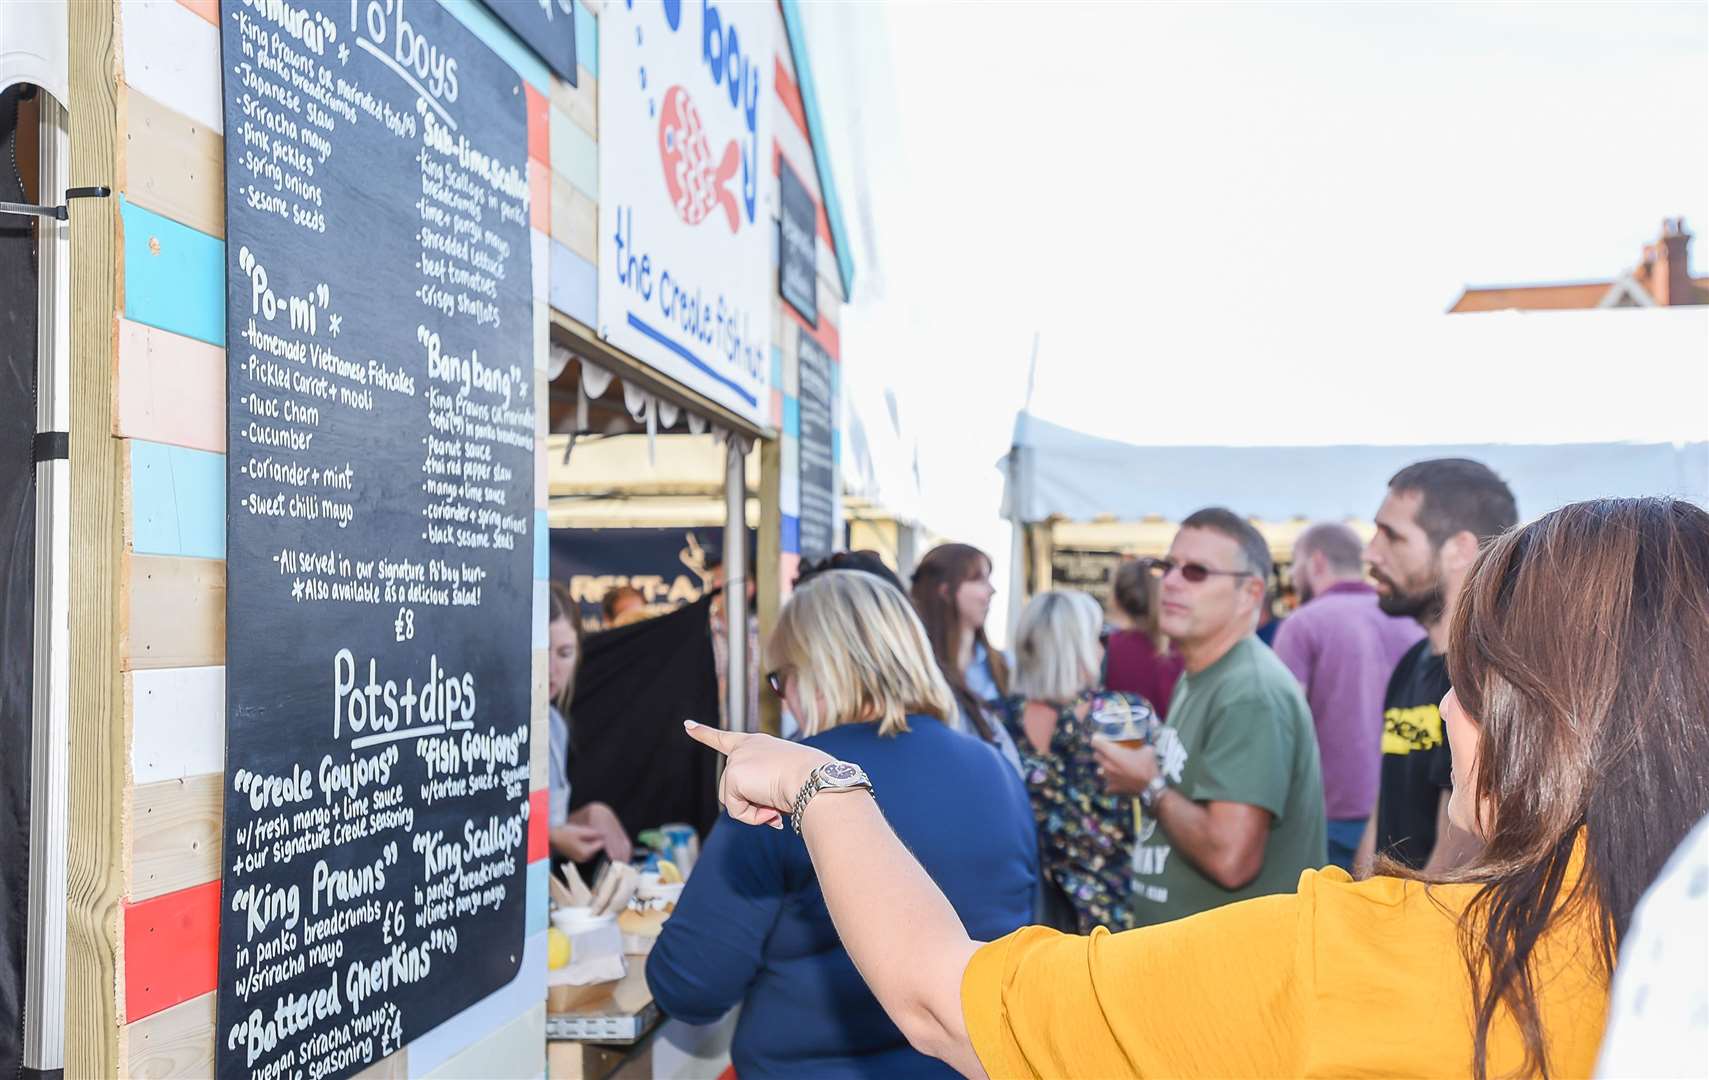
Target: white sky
(1224, 220)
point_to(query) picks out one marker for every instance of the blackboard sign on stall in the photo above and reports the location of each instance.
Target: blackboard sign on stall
(818, 472)
(798, 233)
(1092, 572)
(380, 531)
(546, 26)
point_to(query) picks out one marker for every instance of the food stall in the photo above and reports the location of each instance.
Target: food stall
(1078, 504)
(321, 283)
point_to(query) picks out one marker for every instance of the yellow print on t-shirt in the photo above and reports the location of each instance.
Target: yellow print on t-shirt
(1418, 727)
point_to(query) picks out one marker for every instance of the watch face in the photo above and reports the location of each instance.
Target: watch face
(841, 772)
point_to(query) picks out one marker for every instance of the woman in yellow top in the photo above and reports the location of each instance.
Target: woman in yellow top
(1580, 660)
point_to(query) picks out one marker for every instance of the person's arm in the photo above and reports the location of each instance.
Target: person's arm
(1222, 838)
(613, 836)
(903, 935)
(1454, 846)
(711, 948)
(1365, 856)
(577, 843)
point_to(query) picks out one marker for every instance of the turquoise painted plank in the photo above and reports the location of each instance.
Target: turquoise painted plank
(485, 1016)
(177, 501)
(792, 416)
(836, 447)
(574, 285)
(174, 275)
(575, 156)
(542, 565)
(499, 38)
(537, 917)
(776, 366)
(587, 40)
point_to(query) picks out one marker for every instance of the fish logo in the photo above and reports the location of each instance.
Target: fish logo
(696, 184)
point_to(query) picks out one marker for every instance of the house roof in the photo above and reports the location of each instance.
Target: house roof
(1568, 296)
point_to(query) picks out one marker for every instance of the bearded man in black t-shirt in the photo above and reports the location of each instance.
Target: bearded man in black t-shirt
(1435, 517)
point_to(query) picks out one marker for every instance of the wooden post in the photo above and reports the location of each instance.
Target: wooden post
(1041, 544)
(95, 855)
(768, 567)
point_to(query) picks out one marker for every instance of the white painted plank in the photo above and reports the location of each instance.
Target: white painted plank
(542, 610)
(517, 1049)
(796, 149)
(173, 55)
(177, 723)
(540, 259)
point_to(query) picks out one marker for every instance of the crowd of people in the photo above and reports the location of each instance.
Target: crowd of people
(1409, 835)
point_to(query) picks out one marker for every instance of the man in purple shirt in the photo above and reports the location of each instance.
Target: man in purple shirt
(1342, 649)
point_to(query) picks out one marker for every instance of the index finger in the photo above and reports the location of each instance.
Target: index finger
(725, 742)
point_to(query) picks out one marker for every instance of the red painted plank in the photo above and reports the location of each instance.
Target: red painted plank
(172, 941)
(791, 98)
(539, 126)
(825, 334)
(537, 812)
(207, 9)
(171, 949)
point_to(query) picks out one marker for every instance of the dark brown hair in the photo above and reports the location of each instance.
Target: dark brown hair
(1136, 592)
(564, 606)
(1580, 647)
(935, 582)
(1458, 495)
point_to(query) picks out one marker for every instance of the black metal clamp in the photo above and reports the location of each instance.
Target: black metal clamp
(50, 446)
(60, 212)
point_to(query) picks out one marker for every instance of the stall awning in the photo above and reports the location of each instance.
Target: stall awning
(1067, 474)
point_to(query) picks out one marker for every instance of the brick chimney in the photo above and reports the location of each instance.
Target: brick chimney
(1668, 262)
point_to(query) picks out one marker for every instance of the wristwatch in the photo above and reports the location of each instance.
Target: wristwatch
(831, 776)
(1153, 791)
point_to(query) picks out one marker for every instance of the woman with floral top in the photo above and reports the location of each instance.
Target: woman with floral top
(1086, 837)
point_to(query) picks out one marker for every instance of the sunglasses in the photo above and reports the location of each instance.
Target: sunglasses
(775, 679)
(1194, 573)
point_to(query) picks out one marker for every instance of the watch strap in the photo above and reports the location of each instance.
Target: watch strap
(1153, 791)
(815, 783)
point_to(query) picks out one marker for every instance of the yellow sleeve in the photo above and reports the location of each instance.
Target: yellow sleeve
(1221, 994)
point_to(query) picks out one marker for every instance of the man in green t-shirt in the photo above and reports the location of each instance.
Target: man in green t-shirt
(1231, 795)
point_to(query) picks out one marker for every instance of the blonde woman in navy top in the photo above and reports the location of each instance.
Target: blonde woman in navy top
(851, 659)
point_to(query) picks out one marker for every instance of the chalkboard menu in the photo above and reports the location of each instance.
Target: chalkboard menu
(818, 474)
(1089, 571)
(379, 530)
(546, 26)
(797, 241)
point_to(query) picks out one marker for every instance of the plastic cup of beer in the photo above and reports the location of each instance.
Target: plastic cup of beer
(1123, 722)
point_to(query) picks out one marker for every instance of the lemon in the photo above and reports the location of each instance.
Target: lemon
(668, 873)
(557, 948)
